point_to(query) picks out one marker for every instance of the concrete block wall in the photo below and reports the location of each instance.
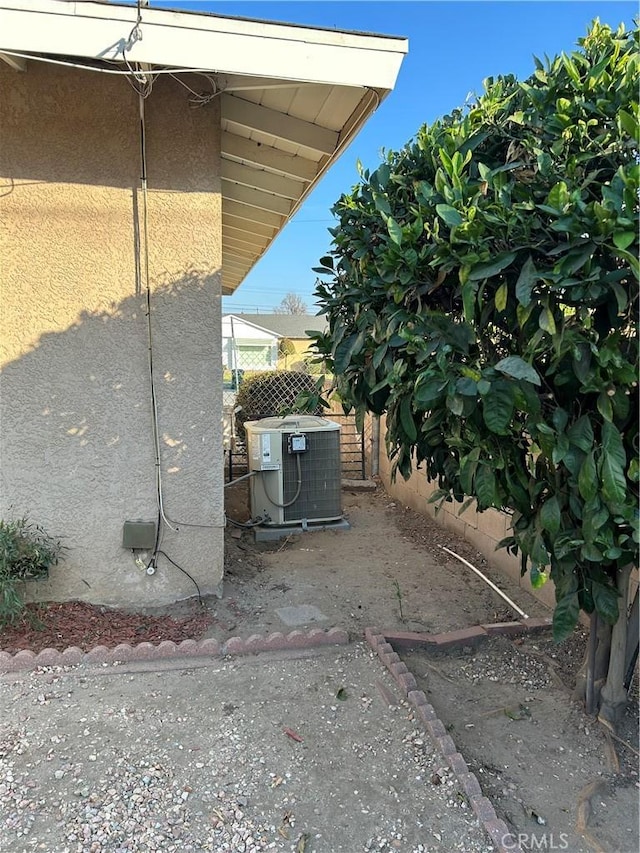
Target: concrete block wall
(483, 530)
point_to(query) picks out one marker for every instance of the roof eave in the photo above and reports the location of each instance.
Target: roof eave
(273, 156)
(197, 41)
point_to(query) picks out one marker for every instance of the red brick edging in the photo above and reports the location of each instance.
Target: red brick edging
(125, 653)
(466, 636)
(501, 836)
(497, 830)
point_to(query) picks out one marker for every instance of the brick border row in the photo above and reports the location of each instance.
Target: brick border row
(209, 648)
(466, 636)
(381, 643)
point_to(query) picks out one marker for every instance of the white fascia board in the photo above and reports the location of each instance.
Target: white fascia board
(198, 41)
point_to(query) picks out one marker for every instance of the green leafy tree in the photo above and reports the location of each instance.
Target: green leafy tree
(483, 292)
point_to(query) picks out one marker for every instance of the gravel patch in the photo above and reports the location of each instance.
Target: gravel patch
(518, 668)
(288, 753)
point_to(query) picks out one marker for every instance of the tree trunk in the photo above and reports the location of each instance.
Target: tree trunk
(603, 653)
(633, 640)
(614, 695)
(590, 702)
(600, 664)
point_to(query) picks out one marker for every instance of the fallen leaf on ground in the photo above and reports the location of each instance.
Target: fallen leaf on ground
(293, 735)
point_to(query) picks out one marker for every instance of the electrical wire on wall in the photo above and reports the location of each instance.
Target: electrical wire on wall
(142, 77)
(144, 273)
(141, 80)
(200, 99)
(103, 69)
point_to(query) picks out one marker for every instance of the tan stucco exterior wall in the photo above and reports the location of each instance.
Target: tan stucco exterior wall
(76, 437)
(483, 530)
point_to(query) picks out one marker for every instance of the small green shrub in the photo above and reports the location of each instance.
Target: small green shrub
(26, 553)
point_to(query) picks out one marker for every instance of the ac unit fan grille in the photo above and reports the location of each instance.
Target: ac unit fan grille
(320, 495)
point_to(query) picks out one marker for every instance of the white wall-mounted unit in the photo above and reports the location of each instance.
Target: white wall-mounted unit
(297, 465)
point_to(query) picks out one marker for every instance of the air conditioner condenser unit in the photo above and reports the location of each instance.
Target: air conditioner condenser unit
(296, 460)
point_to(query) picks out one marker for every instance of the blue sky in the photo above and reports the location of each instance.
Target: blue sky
(453, 46)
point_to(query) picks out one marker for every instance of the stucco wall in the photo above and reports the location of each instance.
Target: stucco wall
(76, 439)
(483, 530)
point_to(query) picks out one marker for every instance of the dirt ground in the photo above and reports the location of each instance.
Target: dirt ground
(552, 772)
(387, 571)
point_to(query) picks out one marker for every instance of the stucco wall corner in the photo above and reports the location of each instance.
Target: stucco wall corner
(77, 437)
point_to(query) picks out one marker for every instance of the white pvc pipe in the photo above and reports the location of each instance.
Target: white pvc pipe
(487, 581)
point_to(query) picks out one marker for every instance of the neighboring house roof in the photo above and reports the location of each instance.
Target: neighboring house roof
(284, 325)
(292, 97)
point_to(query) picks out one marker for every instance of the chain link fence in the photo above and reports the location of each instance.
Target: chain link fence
(290, 370)
(267, 399)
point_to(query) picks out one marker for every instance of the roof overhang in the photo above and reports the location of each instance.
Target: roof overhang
(292, 97)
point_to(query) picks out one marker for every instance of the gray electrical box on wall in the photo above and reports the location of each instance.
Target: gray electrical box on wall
(139, 535)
